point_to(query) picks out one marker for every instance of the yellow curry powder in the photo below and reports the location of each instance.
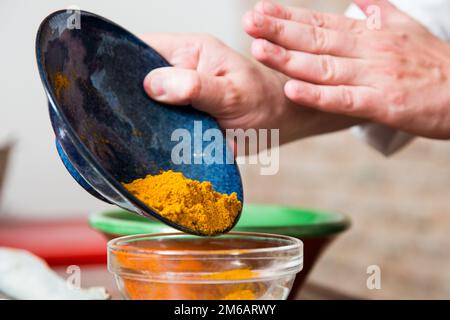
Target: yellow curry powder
(238, 291)
(240, 295)
(190, 203)
(236, 274)
(157, 290)
(226, 285)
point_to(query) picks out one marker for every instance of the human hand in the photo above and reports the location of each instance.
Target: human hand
(398, 75)
(238, 92)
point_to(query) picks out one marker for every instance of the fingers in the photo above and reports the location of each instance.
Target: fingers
(348, 100)
(320, 69)
(310, 17)
(177, 86)
(301, 37)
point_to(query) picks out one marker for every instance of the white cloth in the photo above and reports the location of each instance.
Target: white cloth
(433, 14)
(27, 277)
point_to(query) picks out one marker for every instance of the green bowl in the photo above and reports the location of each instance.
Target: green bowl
(315, 228)
(292, 222)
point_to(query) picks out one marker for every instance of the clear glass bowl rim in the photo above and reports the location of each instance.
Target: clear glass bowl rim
(114, 245)
(289, 265)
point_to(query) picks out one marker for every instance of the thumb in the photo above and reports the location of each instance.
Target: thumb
(178, 86)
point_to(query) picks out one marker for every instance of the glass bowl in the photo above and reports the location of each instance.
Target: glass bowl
(235, 266)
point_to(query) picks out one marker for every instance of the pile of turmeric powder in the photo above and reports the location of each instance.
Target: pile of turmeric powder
(238, 291)
(187, 202)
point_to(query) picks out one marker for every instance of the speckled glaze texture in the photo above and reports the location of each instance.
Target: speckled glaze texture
(107, 129)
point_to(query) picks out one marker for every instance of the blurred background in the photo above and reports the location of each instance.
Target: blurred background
(399, 206)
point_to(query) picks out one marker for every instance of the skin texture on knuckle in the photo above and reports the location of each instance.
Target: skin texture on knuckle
(347, 100)
(317, 97)
(232, 98)
(318, 19)
(278, 29)
(286, 63)
(241, 107)
(327, 68)
(228, 101)
(286, 14)
(319, 38)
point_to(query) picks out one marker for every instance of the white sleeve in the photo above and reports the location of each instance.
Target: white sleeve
(433, 14)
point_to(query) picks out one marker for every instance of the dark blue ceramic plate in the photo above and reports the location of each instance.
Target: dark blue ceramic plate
(107, 129)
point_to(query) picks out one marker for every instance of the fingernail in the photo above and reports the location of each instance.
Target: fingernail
(258, 19)
(269, 7)
(157, 86)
